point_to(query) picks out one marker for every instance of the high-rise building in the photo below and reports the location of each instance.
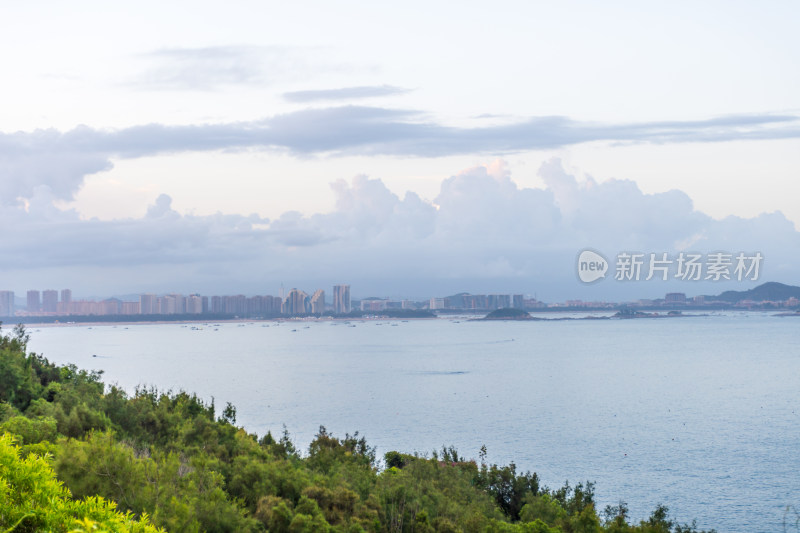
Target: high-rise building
(341, 299)
(172, 304)
(194, 304)
(235, 305)
(255, 306)
(112, 306)
(148, 304)
(129, 308)
(475, 301)
(272, 305)
(263, 306)
(6, 303)
(34, 302)
(518, 301)
(675, 298)
(297, 302)
(50, 301)
(437, 303)
(65, 305)
(318, 302)
(175, 304)
(499, 301)
(373, 304)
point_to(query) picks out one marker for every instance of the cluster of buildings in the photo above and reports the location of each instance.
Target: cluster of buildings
(458, 302)
(296, 302)
(485, 302)
(48, 303)
(678, 300)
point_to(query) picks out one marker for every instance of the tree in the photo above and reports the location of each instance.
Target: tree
(32, 499)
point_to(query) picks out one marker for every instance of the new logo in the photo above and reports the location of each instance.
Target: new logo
(591, 266)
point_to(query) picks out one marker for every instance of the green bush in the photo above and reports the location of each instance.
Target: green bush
(33, 500)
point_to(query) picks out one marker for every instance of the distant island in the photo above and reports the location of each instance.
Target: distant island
(632, 313)
(771, 291)
(508, 313)
(511, 313)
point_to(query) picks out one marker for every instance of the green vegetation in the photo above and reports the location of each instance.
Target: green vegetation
(32, 499)
(508, 313)
(76, 455)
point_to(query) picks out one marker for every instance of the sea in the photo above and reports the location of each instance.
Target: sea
(699, 413)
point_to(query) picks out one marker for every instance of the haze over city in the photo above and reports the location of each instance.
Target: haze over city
(413, 152)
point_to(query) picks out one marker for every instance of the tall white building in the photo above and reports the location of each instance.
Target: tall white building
(318, 302)
(6, 303)
(341, 299)
(194, 304)
(148, 304)
(297, 302)
(438, 303)
(50, 301)
(34, 301)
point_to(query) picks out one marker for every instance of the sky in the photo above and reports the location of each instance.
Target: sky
(411, 151)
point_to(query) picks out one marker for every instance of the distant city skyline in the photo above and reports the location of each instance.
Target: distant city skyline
(298, 302)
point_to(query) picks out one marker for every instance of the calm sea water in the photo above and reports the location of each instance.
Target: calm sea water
(699, 413)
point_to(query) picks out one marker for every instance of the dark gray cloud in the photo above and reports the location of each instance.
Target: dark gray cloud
(344, 93)
(61, 160)
(481, 233)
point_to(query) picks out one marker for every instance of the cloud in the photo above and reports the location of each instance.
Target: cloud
(482, 233)
(162, 208)
(215, 67)
(61, 160)
(46, 237)
(617, 213)
(344, 93)
(484, 201)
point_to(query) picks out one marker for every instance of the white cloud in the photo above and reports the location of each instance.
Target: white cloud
(215, 67)
(487, 234)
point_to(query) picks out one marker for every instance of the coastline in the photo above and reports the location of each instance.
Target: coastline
(30, 325)
(378, 318)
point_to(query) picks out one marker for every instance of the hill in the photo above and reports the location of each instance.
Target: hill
(508, 313)
(770, 291)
